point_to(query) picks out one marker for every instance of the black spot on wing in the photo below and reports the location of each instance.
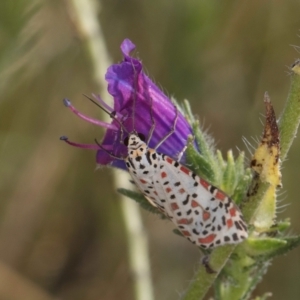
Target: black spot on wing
(212, 189)
(148, 157)
(195, 231)
(243, 225)
(237, 225)
(186, 201)
(131, 163)
(235, 237)
(224, 220)
(226, 238)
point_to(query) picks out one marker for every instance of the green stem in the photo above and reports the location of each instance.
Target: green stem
(202, 281)
(290, 117)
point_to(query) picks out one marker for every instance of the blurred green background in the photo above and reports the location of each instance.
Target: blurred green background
(61, 228)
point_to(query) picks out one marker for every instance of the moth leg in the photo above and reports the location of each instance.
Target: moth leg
(205, 263)
(190, 139)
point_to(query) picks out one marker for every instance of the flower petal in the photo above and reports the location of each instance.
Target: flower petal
(136, 97)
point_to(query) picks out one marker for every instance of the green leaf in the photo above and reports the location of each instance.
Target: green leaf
(177, 232)
(290, 243)
(263, 246)
(281, 226)
(197, 163)
(290, 118)
(242, 186)
(229, 175)
(204, 142)
(263, 249)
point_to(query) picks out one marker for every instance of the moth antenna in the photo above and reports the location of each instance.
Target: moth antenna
(134, 97)
(152, 121)
(84, 146)
(111, 114)
(106, 151)
(171, 131)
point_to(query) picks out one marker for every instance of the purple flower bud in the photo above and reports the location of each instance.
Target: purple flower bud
(136, 98)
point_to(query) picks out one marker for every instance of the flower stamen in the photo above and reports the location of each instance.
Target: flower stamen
(85, 146)
(68, 104)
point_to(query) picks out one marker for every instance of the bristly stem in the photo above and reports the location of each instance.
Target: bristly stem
(84, 15)
(202, 281)
(290, 117)
(288, 126)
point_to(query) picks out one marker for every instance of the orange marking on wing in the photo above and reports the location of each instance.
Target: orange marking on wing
(232, 211)
(195, 203)
(207, 239)
(182, 221)
(185, 170)
(143, 181)
(163, 174)
(185, 221)
(182, 191)
(155, 193)
(229, 223)
(221, 196)
(168, 189)
(174, 206)
(186, 233)
(205, 215)
(204, 183)
(169, 160)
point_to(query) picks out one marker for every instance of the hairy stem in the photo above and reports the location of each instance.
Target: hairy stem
(202, 281)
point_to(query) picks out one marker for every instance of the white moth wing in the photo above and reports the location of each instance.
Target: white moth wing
(203, 213)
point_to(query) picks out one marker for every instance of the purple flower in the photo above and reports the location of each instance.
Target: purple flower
(136, 97)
